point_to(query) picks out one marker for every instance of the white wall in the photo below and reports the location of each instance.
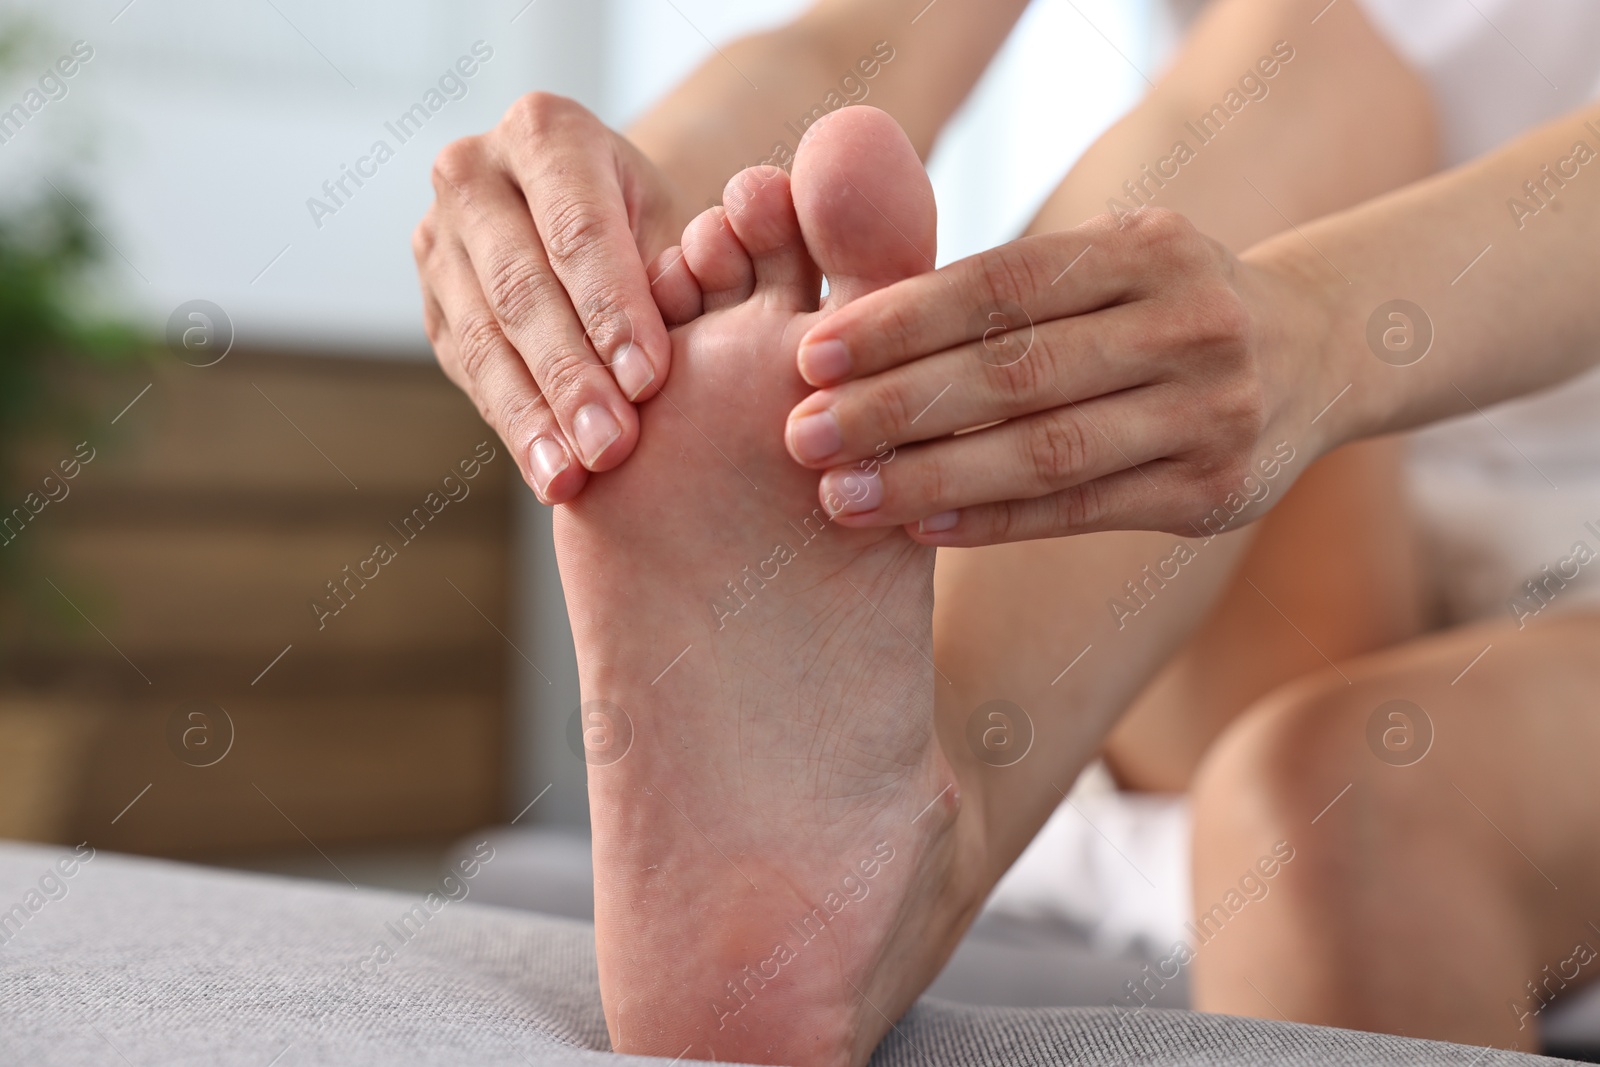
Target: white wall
(1056, 85)
(203, 129)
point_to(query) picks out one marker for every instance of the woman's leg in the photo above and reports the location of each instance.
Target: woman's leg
(1445, 881)
(1330, 574)
(1076, 631)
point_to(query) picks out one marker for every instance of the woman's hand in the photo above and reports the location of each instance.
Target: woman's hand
(534, 290)
(1147, 379)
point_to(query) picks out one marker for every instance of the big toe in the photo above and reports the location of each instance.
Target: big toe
(864, 202)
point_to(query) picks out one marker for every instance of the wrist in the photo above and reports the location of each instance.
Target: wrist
(1305, 323)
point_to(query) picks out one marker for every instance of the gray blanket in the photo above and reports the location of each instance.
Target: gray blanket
(143, 962)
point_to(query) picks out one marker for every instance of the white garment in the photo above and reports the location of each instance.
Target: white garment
(1112, 865)
(1496, 512)
(1497, 68)
(1502, 495)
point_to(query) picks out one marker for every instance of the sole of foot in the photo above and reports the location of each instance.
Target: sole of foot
(781, 853)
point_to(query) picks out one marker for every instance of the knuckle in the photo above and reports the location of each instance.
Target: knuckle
(1055, 451)
(1170, 241)
(1009, 273)
(1220, 319)
(900, 328)
(925, 484)
(1236, 408)
(1082, 507)
(516, 288)
(1247, 411)
(1025, 379)
(1020, 520)
(534, 115)
(422, 239)
(885, 408)
(1002, 523)
(606, 320)
(456, 165)
(478, 342)
(1162, 229)
(572, 225)
(517, 417)
(563, 377)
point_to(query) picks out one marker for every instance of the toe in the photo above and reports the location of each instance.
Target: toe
(718, 260)
(761, 212)
(675, 288)
(864, 202)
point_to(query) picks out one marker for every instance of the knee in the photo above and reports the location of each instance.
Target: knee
(1309, 767)
(1277, 768)
(1280, 762)
(1299, 769)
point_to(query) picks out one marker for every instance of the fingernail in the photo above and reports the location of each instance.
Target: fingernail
(824, 362)
(595, 428)
(548, 459)
(851, 492)
(939, 523)
(813, 438)
(633, 370)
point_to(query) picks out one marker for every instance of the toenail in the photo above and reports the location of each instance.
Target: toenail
(595, 428)
(633, 371)
(813, 438)
(851, 492)
(548, 459)
(939, 523)
(824, 362)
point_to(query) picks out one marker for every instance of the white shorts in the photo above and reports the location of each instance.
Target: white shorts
(1112, 865)
(1510, 496)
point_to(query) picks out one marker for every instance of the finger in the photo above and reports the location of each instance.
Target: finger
(534, 313)
(674, 287)
(1024, 282)
(1127, 500)
(424, 239)
(578, 207)
(436, 327)
(1024, 372)
(479, 359)
(1021, 459)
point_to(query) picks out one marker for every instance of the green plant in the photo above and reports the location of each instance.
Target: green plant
(44, 257)
(46, 337)
(48, 327)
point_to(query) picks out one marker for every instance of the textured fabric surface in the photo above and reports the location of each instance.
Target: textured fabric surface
(1002, 961)
(144, 962)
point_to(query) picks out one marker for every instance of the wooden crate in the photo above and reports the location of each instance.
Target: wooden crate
(183, 563)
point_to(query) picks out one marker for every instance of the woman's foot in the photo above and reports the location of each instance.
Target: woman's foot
(781, 856)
